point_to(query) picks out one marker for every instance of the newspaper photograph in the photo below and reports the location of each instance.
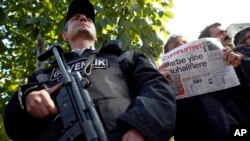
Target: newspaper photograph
(198, 68)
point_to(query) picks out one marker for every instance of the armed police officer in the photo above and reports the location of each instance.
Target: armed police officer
(142, 110)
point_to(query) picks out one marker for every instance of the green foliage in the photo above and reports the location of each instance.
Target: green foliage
(3, 136)
(139, 24)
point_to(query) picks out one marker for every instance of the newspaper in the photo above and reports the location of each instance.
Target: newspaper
(198, 68)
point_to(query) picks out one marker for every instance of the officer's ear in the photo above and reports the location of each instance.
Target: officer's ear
(65, 36)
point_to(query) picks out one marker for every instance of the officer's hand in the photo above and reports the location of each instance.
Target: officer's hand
(231, 57)
(133, 135)
(39, 104)
(163, 70)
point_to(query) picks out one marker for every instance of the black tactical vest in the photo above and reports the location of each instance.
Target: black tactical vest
(108, 87)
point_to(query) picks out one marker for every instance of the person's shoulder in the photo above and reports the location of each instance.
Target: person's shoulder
(240, 47)
(131, 55)
(243, 49)
(39, 74)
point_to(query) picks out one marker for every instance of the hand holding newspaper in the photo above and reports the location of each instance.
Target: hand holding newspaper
(198, 68)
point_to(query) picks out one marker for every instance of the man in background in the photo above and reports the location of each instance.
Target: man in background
(242, 41)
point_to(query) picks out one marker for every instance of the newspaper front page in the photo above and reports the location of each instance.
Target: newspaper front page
(198, 68)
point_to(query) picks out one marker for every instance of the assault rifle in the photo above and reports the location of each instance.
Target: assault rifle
(76, 108)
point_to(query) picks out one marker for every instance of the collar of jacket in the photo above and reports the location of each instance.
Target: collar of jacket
(80, 51)
(71, 55)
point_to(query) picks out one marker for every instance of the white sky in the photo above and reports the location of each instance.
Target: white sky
(191, 16)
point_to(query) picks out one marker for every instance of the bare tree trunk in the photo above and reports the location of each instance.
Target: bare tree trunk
(40, 49)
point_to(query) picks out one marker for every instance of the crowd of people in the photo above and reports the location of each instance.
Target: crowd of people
(134, 100)
(211, 116)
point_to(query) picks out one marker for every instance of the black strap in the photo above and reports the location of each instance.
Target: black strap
(111, 47)
(88, 67)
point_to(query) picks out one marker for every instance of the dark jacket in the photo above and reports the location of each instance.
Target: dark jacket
(243, 49)
(210, 117)
(147, 103)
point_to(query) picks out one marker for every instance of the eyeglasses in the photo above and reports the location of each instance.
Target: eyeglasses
(244, 40)
(221, 32)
